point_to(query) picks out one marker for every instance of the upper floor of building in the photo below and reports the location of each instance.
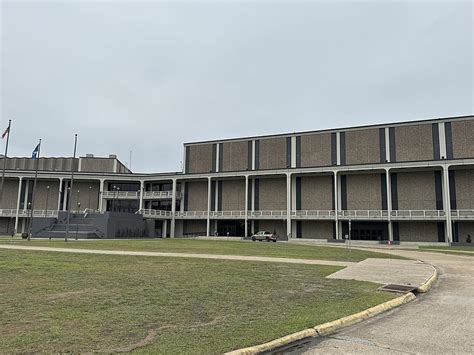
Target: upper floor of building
(87, 164)
(427, 140)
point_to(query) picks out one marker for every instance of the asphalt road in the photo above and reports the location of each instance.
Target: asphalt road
(439, 322)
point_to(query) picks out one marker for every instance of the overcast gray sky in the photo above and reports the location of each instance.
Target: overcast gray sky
(148, 76)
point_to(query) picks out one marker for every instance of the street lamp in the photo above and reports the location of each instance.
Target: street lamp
(90, 192)
(114, 204)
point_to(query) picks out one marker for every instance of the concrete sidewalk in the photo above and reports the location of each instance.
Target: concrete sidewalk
(182, 255)
(438, 322)
(387, 271)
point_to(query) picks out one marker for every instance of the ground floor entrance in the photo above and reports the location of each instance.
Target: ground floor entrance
(366, 230)
(230, 228)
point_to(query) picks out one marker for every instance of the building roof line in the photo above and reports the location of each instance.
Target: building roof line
(328, 130)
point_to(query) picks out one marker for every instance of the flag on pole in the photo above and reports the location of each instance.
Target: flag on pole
(7, 131)
(34, 155)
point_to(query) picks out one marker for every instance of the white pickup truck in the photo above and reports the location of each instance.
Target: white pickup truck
(263, 235)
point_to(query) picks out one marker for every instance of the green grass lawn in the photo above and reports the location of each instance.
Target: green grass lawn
(226, 247)
(455, 250)
(54, 302)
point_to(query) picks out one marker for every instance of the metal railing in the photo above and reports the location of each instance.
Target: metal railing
(27, 213)
(363, 214)
(228, 214)
(136, 194)
(267, 214)
(316, 214)
(155, 213)
(418, 214)
(121, 194)
(191, 214)
(157, 194)
(462, 214)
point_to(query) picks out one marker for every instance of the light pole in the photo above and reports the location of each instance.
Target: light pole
(350, 232)
(77, 224)
(29, 219)
(47, 198)
(77, 200)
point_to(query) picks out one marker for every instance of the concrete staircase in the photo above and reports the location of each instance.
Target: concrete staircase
(80, 225)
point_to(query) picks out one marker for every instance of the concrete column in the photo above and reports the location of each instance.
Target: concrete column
(389, 204)
(293, 152)
(288, 205)
(142, 190)
(163, 229)
(246, 204)
(336, 204)
(442, 140)
(208, 224)
(101, 196)
(387, 144)
(447, 204)
(338, 148)
(173, 210)
(217, 157)
(18, 204)
(60, 190)
(253, 154)
(25, 201)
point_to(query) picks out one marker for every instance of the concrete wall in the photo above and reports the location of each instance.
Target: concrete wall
(464, 189)
(364, 192)
(98, 164)
(362, 146)
(200, 158)
(194, 226)
(197, 196)
(463, 139)
(233, 195)
(84, 194)
(316, 192)
(277, 226)
(464, 229)
(316, 150)
(272, 153)
(235, 156)
(7, 225)
(10, 194)
(416, 191)
(414, 142)
(418, 232)
(272, 194)
(317, 229)
(42, 194)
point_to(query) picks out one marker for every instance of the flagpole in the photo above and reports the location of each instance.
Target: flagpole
(5, 160)
(70, 189)
(34, 190)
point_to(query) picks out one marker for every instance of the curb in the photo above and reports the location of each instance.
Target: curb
(428, 283)
(329, 327)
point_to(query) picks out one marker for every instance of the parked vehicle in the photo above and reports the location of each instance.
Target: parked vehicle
(263, 235)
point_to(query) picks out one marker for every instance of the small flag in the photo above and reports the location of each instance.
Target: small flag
(7, 131)
(34, 155)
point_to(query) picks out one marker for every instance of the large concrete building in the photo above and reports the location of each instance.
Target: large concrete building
(403, 182)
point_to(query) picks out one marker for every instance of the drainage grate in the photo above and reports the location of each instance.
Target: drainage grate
(397, 288)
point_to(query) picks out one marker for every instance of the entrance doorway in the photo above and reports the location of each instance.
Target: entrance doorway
(234, 228)
(366, 230)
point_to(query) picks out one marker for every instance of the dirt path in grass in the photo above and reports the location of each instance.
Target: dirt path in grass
(183, 255)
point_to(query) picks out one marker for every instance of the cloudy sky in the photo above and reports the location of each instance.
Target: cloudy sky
(148, 76)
